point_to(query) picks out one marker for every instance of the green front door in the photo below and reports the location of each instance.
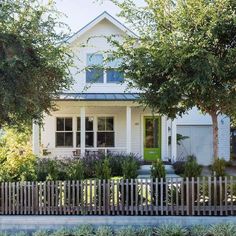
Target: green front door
(152, 138)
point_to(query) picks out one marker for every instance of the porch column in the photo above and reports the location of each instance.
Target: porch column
(173, 140)
(128, 130)
(82, 131)
(35, 139)
(164, 138)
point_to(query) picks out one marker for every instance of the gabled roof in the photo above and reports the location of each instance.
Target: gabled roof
(91, 24)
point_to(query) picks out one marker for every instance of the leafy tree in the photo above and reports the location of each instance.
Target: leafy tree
(34, 61)
(184, 56)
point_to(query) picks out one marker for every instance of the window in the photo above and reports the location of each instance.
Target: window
(64, 133)
(89, 132)
(113, 74)
(94, 73)
(105, 133)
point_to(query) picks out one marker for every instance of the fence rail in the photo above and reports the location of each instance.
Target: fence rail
(172, 196)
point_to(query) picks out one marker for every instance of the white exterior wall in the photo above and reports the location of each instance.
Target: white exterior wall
(98, 44)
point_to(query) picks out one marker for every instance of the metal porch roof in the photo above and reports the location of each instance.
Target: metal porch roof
(98, 96)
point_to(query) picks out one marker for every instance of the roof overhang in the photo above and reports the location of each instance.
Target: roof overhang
(97, 97)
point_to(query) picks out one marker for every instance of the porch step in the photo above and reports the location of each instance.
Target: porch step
(145, 171)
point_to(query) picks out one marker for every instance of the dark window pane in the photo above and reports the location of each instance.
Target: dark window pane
(60, 124)
(110, 140)
(94, 76)
(89, 123)
(101, 123)
(78, 139)
(89, 139)
(68, 124)
(59, 139)
(69, 139)
(109, 123)
(78, 124)
(101, 139)
(114, 76)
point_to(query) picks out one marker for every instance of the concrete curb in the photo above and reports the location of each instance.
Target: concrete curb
(30, 223)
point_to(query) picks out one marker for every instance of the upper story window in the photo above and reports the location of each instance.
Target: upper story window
(64, 132)
(94, 73)
(113, 74)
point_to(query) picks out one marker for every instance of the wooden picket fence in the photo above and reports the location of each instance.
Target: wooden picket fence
(172, 196)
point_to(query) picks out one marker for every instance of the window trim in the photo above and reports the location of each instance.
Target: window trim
(64, 131)
(105, 81)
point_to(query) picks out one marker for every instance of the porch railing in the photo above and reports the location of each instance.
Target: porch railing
(173, 196)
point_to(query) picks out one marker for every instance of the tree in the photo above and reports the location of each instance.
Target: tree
(184, 56)
(34, 60)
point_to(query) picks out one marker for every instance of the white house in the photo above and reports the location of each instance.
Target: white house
(105, 116)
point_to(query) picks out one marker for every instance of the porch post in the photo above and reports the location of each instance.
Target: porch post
(128, 130)
(35, 139)
(82, 131)
(173, 140)
(164, 138)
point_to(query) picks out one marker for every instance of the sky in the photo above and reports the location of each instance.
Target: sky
(81, 12)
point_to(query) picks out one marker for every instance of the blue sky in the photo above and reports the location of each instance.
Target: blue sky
(80, 12)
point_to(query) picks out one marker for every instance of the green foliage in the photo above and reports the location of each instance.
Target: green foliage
(126, 231)
(76, 170)
(103, 169)
(41, 233)
(34, 60)
(158, 169)
(104, 231)
(171, 230)
(224, 229)
(144, 231)
(130, 167)
(84, 230)
(17, 161)
(199, 230)
(184, 56)
(191, 167)
(218, 167)
(62, 232)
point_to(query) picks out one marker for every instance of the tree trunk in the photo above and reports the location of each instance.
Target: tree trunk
(215, 136)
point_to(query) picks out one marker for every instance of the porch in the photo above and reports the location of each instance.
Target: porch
(78, 128)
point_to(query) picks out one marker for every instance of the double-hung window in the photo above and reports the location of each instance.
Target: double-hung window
(64, 132)
(105, 132)
(113, 74)
(94, 72)
(89, 132)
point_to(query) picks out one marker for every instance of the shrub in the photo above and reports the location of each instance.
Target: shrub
(227, 229)
(191, 167)
(104, 231)
(144, 231)
(158, 169)
(179, 167)
(76, 170)
(126, 231)
(61, 232)
(41, 233)
(16, 158)
(103, 169)
(84, 230)
(116, 161)
(199, 230)
(170, 230)
(218, 167)
(130, 167)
